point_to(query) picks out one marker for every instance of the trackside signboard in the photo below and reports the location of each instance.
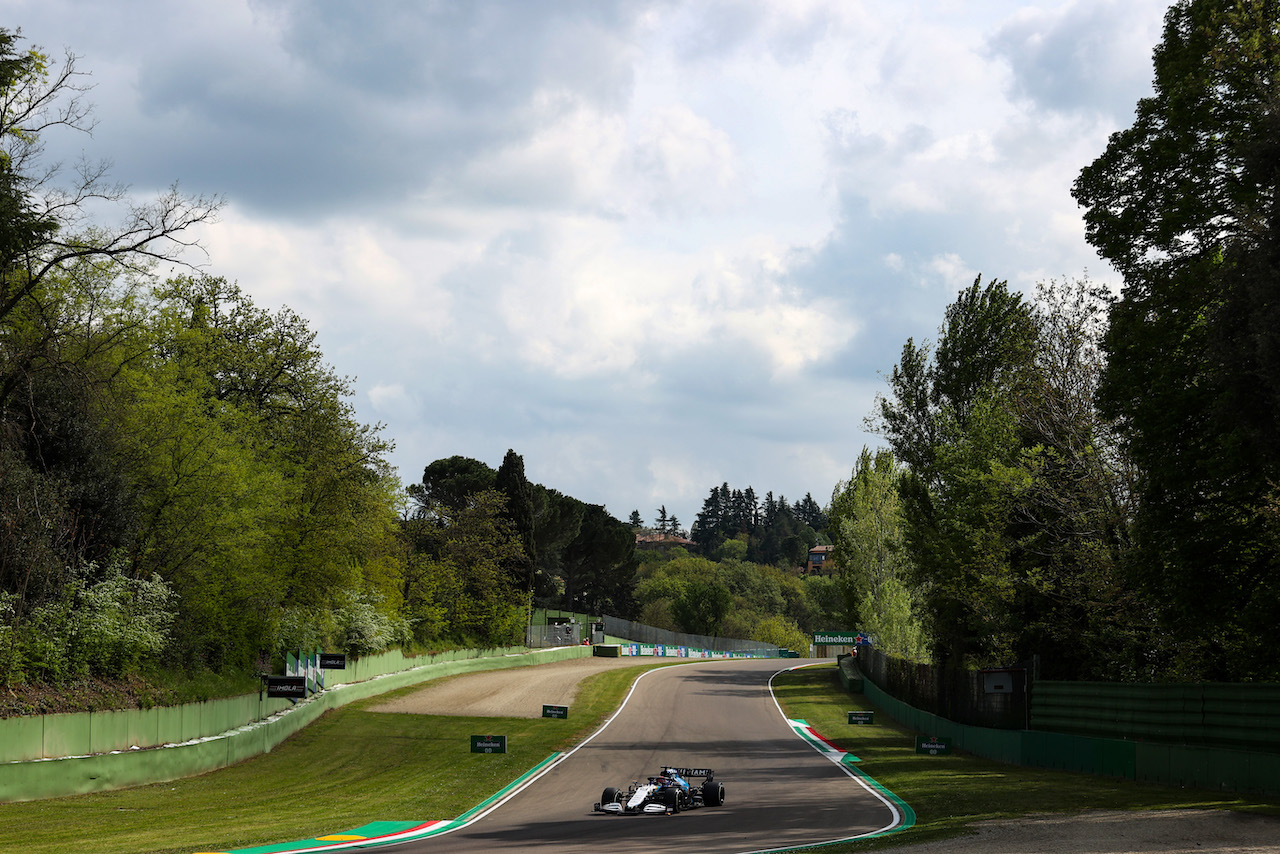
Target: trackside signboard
(550, 711)
(488, 744)
(862, 717)
(287, 687)
(333, 661)
(932, 745)
(835, 638)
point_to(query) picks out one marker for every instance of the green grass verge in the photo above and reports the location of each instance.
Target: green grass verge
(948, 793)
(350, 767)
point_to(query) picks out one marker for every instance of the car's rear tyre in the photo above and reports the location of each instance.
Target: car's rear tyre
(609, 796)
(712, 793)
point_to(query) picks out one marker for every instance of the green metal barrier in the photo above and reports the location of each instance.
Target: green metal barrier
(80, 734)
(32, 778)
(22, 738)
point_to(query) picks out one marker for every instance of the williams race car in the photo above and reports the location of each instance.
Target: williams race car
(668, 792)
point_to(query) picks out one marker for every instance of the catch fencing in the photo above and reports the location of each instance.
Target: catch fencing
(541, 637)
(987, 698)
(1242, 716)
(550, 627)
(640, 633)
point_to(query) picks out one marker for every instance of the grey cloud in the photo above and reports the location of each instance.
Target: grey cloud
(1089, 59)
(720, 28)
(333, 107)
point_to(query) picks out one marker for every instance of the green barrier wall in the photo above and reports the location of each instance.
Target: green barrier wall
(1215, 768)
(850, 678)
(79, 773)
(57, 736)
(1234, 716)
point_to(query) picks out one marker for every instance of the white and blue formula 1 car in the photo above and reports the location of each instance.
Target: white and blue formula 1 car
(668, 792)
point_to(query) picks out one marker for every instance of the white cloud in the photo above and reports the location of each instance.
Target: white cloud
(637, 242)
(389, 399)
(684, 163)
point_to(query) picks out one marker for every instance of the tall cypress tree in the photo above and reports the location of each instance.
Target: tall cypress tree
(512, 482)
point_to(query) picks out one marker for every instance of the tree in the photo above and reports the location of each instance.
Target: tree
(40, 230)
(1186, 205)
(1015, 506)
(876, 579)
(600, 563)
(782, 632)
(1074, 518)
(448, 484)
(69, 321)
(784, 541)
(708, 527)
(702, 605)
(662, 525)
(463, 590)
(951, 420)
(635, 520)
(511, 482)
(260, 491)
(808, 512)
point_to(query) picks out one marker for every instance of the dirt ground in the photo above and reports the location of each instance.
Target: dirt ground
(521, 691)
(518, 692)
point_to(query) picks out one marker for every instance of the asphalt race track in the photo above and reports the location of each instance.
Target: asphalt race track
(779, 791)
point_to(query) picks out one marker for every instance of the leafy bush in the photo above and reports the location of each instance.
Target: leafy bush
(104, 627)
(121, 621)
(782, 632)
(364, 629)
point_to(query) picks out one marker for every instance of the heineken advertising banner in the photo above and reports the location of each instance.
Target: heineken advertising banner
(933, 745)
(835, 638)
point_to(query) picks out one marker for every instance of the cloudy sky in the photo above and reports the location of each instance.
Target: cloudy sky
(651, 246)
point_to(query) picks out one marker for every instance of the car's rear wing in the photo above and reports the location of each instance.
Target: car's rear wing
(690, 772)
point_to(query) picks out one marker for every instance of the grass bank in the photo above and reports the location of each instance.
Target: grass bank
(350, 767)
(948, 793)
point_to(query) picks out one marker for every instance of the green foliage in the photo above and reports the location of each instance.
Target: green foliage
(775, 532)
(466, 588)
(875, 577)
(1186, 205)
(820, 607)
(364, 628)
(449, 483)
(567, 553)
(735, 549)
(200, 440)
(951, 421)
(103, 623)
(782, 632)
(729, 598)
(1013, 520)
(701, 606)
